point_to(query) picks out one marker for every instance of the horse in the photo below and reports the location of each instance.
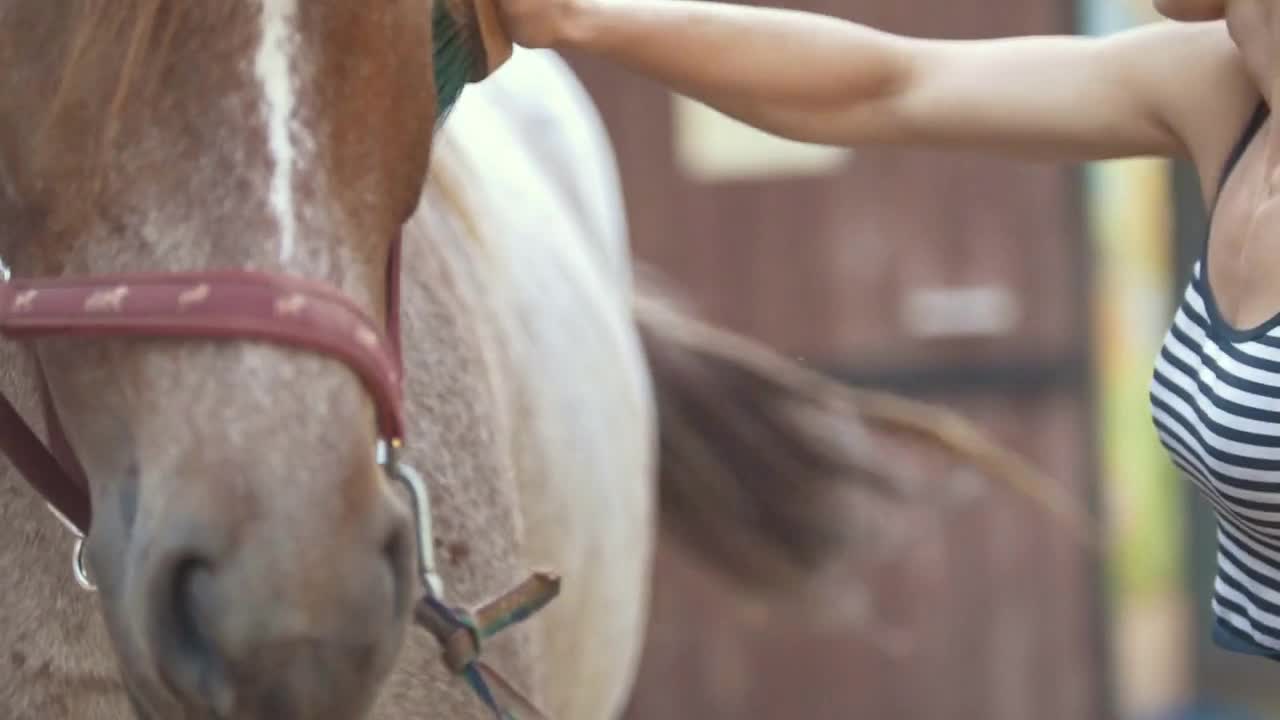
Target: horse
(251, 557)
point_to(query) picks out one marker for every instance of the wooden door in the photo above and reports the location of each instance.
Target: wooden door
(853, 269)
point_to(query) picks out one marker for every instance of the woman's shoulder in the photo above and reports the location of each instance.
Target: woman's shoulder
(1209, 93)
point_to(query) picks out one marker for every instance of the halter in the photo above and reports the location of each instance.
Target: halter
(250, 305)
(285, 310)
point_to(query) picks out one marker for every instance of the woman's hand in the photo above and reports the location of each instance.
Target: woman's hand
(537, 23)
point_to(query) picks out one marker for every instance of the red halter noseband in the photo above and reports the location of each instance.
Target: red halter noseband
(249, 305)
(228, 304)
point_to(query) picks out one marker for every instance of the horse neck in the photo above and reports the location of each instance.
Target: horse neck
(458, 396)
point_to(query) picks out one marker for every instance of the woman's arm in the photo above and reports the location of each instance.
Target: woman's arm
(820, 79)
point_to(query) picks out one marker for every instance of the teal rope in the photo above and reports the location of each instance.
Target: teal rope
(471, 673)
(473, 677)
(464, 620)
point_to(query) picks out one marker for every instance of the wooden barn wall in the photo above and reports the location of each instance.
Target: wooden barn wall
(991, 614)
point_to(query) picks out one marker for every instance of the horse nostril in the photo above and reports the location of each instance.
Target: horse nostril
(239, 629)
(183, 596)
(192, 582)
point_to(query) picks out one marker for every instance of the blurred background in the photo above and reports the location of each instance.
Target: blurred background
(1031, 298)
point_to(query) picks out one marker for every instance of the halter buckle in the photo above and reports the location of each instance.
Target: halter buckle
(420, 504)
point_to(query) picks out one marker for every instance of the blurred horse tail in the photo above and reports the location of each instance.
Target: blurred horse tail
(770, 472)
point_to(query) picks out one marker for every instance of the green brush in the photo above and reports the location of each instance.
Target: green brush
(457, 53)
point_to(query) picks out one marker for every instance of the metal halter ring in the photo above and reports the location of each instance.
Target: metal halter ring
(420, 503)
(78, 568)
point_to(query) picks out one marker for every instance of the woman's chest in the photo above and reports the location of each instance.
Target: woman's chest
(1243, 252)
(1215, 399)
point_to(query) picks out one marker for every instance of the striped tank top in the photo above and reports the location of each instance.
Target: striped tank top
(1215, 400)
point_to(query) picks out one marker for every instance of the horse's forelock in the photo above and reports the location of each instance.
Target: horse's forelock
(97, 24)
(94, 29)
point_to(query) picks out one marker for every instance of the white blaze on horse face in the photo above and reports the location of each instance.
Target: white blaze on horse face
(274, 68)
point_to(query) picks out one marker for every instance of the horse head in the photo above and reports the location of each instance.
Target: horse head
(251, 558)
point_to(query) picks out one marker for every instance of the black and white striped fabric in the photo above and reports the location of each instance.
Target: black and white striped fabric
(1215, 400)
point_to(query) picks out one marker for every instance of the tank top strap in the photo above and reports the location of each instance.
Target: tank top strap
(1260, 114)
